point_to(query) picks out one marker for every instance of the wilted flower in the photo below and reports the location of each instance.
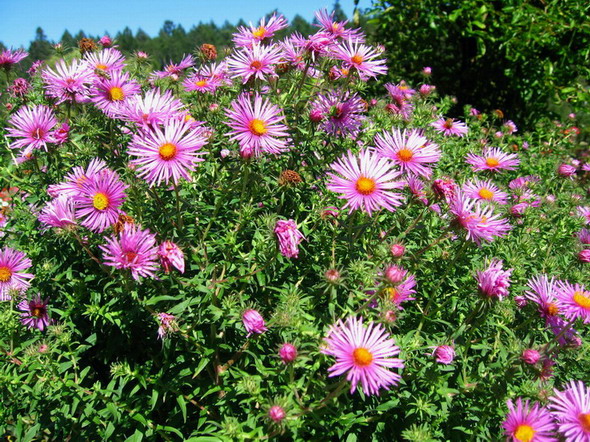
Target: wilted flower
(171, 256)
(494, 282)
(167, 324)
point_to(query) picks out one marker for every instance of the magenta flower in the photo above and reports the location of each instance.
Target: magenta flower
(480, 223)
(530, 356)
(171, 256)
(444, 354)
(133, 249)
(59, 212)
(62, 134)
(402, 287)
(9, 58)
(34, 312)
(106, 60)
(288, 353)
(573, 301)
(167, 324)
(450, 126)
(543, 293)
(12, 275)
(68, 82)
(342, 113)
(167, 153)
(365, 353)
(366, 181)
(257, 127)
(584, 236)
(289, 238)
(445, 188)
(411, 151)
(571, 410)
(400, 90)
(150, 109)
(110, 94)
(248, 37)
(493, 159)
(33, 128)
(336, 29)
(276, 413)
(566, 170)
(76, 178)
(253, 322)
(485, 191)
(201, 83)
(257, 62)
(19, 87)
(363, 58)
(493, 282)
(584, 256)
(584, 212)
(172, 70)
(99, 200)
(524, 423)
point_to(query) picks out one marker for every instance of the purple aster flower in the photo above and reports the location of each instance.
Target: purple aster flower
(289, 238)
(363, 58)
(543, 293)
(59, 212)
(12, 275)
(366, 181)
(343, 113)
(450, 126)
(366, 353)
(257, 62)
(110, 94)
(19, 87)
(288, 353)
(444, 354)
(493, 159)
(485, 191)
(336, 29)
(173, 70)
(150, 109)
(132, 249)
(571, 410)
(107, 60)
(253, 322)
(69, 83)
(573, 301)
(76, 178)
(34, 312)
(493, 282)
(171, 256)
(248, 37)
(9, 58)
(524, 423)
(33, 128)
(167, 324)
(584, 212)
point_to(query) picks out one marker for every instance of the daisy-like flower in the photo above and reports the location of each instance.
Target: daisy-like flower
(493, 159)
(401, 291)
(336, 29)
(150, 109)
(411, 151)
(99, 200)
(289, 237)
(494, 281)
(76, 178)
(366, 181)
(132, 249)
(480, 222)
(573, 301)
(366, 353)
(450, 126)
(34, 312)
(247, 37)
(106, 60)
(171, 256)
(9, 58)
(174, 70)
(416, 186)
(59, 212)
(343, 113)
(571, 410)
(584, 212)
(13, 264)
(584, 236)
(258, 62)
(167, 153)
(400, 90)
(201, 83)
(400, 106)
(110, 94)
(33, 128)
(525, 423)
(524, 182)
(485, 191)
(68, 82)
(542, 292)
(361, 57)
(257, 127)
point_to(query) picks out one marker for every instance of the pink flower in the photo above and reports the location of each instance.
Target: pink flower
(133, 249)
(289, 238)
(584, 212)
(171, 256)
(342, 113)
(167, 324)
(363, 58)
(444, 354)
(258, 62)
(449, 126)
(485, 191)
(573, 301)
(366, 181)
(12, 275)
(526, 423)
(276, 413)
(33, 128)
(9, 58)
(397, 250)
(110, 94)
(253, 322)
(571, 410)
(247, 37)
(493, 159)
(69, 83)
(494, 282)
(150, 109)
(530, 356)
(542, 293)
(106, 41)
(335, 29)
(366, 353)
(172, 70)
(34, 312)
(288, 353)
(106, 60)
(59, 212)
(76, 178)
(565, 170)
(411, 151)
(62, 134)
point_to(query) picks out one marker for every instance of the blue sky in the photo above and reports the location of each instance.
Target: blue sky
(21, 18)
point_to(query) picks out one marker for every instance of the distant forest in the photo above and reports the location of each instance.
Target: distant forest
(172, 40)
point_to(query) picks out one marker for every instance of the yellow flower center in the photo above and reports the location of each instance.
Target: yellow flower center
(492, 162)
(405, 154)
(167, 151)
(336, 27)
(344, 72)
(486, 194)
(257, 127)
(37, 312)
(392, 293)
(365, 186)
(524, 433)
(552, 309)
(256, 64)
(583, 300)
(116, 93)
(5, 274)
(104, 67)
(188, 117)
(260, 33)
(362, 357)
(585, 421)
(201, 83)
(100, 201)
(356, 59)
